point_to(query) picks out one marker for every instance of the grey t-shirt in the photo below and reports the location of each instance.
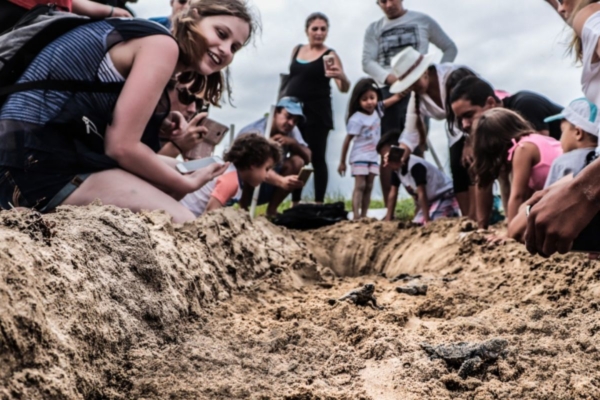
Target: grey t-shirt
(568, 163)
(387, 37)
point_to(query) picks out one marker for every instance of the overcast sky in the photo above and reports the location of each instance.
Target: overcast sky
(516, 45)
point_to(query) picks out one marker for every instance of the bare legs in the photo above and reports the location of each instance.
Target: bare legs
(123, 189)
(361, 197)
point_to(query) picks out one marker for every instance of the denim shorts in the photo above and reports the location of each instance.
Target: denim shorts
(36, 186)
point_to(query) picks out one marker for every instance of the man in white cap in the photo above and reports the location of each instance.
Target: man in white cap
(429, 81)
(398, 29)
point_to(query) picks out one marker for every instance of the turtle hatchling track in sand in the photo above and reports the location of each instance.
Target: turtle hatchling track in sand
(99, 303)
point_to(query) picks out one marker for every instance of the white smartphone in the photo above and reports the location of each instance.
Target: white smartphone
(191, 166)
(305, 173)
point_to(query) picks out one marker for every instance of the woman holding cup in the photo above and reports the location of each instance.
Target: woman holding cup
(313, 66)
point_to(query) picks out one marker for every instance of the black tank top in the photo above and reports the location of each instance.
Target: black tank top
(308, 83)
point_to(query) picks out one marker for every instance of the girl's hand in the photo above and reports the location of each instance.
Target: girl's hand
(342, 169)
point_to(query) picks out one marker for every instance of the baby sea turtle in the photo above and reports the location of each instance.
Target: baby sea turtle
(405, 277)
(362, 297)
(468, 357)
(415, 290)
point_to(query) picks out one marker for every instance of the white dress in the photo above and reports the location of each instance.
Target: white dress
(590, 78)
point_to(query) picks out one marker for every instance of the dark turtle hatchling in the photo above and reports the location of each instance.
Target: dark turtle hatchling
(362, 297)
(468, 357)
(415, 290)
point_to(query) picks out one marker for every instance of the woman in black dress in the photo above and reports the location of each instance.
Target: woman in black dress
(309, 81)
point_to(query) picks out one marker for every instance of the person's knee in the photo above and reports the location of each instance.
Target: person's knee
(292, 165)
(360, 183)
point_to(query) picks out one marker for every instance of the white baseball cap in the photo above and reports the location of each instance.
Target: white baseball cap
(582, 113)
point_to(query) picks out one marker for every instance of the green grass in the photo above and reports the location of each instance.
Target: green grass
(405, 208)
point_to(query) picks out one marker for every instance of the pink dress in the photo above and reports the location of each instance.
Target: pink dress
(549, 149)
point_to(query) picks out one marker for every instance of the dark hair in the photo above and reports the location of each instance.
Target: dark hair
(390, 138)
(473, 89)
(453, 79)
(193, 47)
(315, 16)
(362, 86)
(492, 139)
(252, 150)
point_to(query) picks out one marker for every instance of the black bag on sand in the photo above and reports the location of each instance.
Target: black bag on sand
(312, 216)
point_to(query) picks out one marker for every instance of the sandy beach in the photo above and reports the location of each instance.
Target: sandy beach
(100, 303)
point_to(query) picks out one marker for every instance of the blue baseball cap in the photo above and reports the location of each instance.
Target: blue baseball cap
(292, 105)
(582, 113)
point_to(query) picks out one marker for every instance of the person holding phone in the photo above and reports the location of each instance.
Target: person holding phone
(75, 147)
(431, 188)
(283, 178)
(312, 68)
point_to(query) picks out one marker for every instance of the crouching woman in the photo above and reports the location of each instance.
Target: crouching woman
(72, 147)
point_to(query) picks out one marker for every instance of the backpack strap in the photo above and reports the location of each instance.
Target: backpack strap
(63, 86)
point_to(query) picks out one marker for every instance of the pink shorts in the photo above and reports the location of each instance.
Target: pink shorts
(364, 168)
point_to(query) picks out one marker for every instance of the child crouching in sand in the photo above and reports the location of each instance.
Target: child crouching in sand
(504, 143)
(580, 127)
(251, 157)
(364, 127)
(432, 190)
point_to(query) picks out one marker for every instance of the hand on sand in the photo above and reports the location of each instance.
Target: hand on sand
(495, 239)
(557, 216)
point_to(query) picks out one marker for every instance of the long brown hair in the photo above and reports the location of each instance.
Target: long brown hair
(193, 45)
(362, 86)
(576, 45)
(492, 139)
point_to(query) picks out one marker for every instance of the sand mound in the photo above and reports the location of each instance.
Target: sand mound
(97, 302)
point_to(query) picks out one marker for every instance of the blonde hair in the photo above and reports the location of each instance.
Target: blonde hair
(193, 46)
(576, 46)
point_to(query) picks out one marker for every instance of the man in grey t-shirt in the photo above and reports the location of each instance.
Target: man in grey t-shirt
(385, 38)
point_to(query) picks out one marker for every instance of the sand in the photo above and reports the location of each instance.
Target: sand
(99, 303)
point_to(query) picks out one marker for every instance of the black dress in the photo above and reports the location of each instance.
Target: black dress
(307, 82)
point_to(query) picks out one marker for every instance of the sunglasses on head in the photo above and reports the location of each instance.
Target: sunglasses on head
(186, 97)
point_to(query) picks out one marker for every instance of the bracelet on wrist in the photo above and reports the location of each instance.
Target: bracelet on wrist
(112, 10)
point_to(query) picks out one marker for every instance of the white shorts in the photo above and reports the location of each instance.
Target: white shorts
(364, 168)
